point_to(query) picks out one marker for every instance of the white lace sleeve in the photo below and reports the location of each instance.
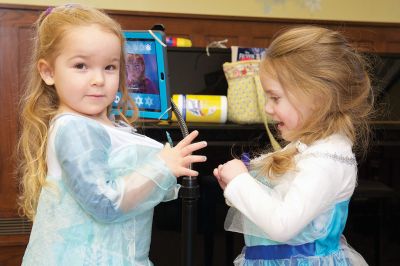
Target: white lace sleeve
(317, 184)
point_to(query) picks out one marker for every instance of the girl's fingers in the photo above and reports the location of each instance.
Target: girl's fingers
(188, 172)
(189, 149)
(188, 139)
(215, 172)
(194, 159)
(221, 184)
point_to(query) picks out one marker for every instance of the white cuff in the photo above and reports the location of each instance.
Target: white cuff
(240, 181)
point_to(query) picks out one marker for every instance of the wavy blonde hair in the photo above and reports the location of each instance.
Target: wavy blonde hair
(40, 102)
(318, 66)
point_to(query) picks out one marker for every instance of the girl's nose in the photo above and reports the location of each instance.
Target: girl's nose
(268, 107)
(98, 78)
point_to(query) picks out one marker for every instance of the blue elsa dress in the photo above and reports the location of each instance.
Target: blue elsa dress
(97, 206)
(297, 219)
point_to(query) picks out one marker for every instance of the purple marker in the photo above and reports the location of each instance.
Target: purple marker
(245, 157)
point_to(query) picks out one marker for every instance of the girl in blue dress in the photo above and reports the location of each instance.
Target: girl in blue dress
(89, 184)
(292, 204)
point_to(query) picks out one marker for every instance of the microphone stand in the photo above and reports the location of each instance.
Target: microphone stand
(189, 192)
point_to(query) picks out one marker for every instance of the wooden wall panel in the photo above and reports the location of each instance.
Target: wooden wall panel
(15, 33)
(14, 43)
(12, 249)
(372, 37)
(15, 30)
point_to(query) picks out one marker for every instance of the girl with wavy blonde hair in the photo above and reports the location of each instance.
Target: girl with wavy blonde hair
(40, 101)
(292, 204)
(89, 183)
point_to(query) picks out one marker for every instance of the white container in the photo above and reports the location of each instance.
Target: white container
(201, 108)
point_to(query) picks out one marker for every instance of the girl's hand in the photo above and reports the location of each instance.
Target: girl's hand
(226, 172)
(179, 158)
(216, 174)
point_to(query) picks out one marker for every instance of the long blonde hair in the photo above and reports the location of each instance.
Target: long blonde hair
(319, 67)
(40, 102)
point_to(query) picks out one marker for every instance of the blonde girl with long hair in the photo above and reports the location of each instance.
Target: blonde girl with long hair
(292, 204)
(89, 184)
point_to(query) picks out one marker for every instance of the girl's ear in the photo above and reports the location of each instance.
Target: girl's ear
(45, 71)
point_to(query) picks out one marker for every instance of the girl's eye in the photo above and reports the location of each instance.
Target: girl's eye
(111, 67)
(274, 99)
(80, 66)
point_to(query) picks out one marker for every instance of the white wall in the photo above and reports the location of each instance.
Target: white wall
(342, 10)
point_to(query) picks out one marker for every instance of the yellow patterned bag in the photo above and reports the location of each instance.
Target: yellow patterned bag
(246, 98)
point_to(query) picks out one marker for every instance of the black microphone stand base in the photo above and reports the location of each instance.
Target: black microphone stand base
(190, 193)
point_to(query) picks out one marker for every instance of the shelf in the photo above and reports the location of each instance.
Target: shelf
(193, 126)
(198, 50)
(385, 125)
(148, 124)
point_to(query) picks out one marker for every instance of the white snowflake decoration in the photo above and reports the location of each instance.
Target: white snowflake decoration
(312, 5)
(148, 101)
(139, 100)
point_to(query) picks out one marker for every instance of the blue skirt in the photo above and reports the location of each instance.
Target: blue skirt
(300, 255)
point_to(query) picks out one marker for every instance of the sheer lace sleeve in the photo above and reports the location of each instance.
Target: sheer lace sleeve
(110, 185)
